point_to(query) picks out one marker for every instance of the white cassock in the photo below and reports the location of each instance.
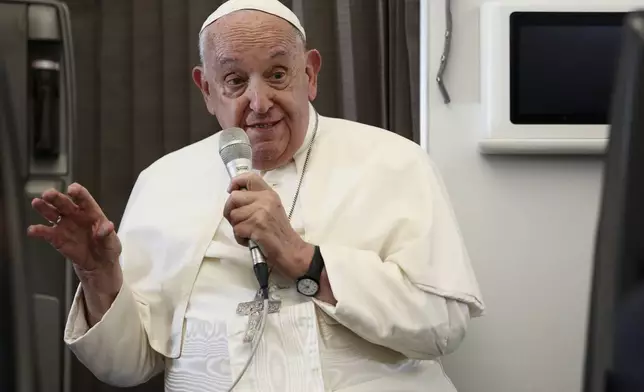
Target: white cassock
(394, 256)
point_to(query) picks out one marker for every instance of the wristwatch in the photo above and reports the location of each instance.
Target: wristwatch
(309, 283)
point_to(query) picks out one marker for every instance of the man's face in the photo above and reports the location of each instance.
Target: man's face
(258, 76)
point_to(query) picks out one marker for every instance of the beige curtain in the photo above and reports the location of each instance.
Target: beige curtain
(136, 100)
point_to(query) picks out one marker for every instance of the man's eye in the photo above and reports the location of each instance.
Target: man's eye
(279, 75)
(233, 81)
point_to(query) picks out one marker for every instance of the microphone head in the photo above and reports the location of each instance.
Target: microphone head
(234, 144)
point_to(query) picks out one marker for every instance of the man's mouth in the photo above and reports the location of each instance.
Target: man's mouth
(264, 125)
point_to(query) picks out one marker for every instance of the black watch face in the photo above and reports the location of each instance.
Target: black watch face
(307, 286)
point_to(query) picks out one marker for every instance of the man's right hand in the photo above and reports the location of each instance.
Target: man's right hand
(81, 232)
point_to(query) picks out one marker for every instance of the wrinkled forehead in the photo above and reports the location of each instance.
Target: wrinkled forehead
(245, 31)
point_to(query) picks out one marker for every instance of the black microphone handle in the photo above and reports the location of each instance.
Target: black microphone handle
(259, 265)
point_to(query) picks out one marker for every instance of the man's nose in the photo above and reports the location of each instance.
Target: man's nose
(260, 96)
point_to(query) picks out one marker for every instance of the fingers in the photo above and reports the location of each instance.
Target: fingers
(105, 235)
(248, 181)
(241, 241)
(81, 196)
(46, 210)
(62, 203)
(54, 204)
(250, 224)
(102, 230)
(46, 233)
(243, 232)
(241, 214)
(238, 199)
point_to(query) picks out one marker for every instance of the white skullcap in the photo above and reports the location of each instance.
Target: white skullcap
(273, 7)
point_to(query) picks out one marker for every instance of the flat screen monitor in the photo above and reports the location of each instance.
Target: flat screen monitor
(615, 342)
(562, 66)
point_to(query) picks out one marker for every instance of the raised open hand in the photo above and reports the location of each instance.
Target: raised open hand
(79, 229)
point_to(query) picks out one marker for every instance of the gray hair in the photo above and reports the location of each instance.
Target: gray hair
(202, 46)
(204, 35)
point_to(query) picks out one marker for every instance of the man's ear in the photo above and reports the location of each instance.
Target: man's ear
(313, 65)
(202, 83)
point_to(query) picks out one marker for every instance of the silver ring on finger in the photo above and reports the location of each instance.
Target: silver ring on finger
(57, 221)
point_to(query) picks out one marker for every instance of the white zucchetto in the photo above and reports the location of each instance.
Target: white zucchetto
(273, 7)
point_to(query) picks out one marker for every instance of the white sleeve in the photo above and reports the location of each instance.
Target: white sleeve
(377, 302)
(116, 349)
(405, 282)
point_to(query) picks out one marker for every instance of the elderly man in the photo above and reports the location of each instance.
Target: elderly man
(357, 212)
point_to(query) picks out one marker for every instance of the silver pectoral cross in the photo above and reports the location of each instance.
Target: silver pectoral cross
(253, 309)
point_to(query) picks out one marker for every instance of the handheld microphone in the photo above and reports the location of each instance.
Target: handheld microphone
(237, 155)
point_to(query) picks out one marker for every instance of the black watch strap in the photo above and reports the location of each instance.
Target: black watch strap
(316, 266)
